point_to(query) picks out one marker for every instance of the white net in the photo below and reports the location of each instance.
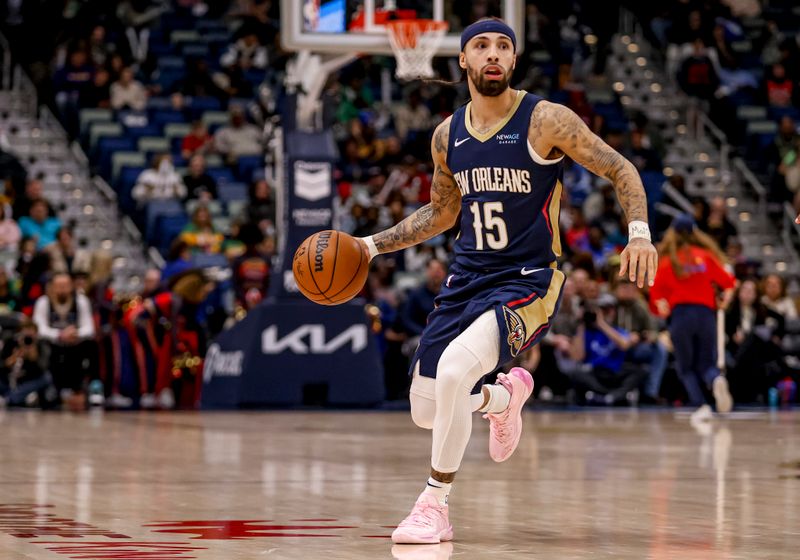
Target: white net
(415, 42)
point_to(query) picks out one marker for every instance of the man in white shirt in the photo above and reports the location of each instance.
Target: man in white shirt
(64, 319)
(239, 138)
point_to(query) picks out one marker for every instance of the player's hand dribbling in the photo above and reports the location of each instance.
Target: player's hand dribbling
(639, 260)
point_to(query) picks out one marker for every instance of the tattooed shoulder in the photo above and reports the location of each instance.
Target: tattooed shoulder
(541, 128)
(441, 136)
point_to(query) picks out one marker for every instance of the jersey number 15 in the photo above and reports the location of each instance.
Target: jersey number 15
(489, 225)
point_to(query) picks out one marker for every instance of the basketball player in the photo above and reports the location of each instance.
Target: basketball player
(497, 163)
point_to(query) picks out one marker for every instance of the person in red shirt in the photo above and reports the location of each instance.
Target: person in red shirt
(689, 274)
(198, 141)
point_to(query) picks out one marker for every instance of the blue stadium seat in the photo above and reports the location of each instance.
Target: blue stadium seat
(206, 261)
(221, 174)
(247, 165)
(168, 227)
(152, 129)
(233, 191)
(163, 117)
(156, 210)
(106, 147)
(124, 186)
(200, 105)
(168, 78)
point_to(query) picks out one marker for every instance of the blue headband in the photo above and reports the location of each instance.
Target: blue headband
(488, 26)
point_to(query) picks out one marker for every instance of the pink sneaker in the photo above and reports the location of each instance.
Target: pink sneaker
(426, 524)
(506, 427)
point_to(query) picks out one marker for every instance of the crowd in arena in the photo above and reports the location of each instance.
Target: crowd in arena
(607, 345)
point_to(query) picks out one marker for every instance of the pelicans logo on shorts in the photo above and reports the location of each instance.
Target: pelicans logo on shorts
(516, 330)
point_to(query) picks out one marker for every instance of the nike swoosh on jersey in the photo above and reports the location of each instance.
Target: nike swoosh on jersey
(525, 271)
(459, 142)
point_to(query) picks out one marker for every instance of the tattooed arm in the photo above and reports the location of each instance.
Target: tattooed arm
(435, 217)
(555, 129)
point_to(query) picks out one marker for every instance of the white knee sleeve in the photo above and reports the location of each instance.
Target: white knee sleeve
(423, 399)
(469, 357)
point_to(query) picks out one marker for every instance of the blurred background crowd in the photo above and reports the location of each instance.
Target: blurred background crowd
(175, 103)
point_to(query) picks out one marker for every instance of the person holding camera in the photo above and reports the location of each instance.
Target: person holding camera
(24, 375)
(598, 350)
(64, 319)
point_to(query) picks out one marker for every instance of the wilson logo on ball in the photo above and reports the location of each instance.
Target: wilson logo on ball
(322, 244)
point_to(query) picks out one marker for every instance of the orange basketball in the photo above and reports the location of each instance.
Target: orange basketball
(330, 268)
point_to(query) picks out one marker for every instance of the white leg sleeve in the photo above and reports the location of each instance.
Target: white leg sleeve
(473, 354)
(423, 399)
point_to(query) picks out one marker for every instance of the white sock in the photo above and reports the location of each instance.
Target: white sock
(499, 397)
(440, 490)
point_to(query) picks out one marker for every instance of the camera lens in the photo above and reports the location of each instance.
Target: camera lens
(27, 340)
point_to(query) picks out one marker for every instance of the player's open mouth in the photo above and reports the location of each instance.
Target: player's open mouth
(493, 72)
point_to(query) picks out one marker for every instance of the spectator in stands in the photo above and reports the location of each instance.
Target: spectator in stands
(179, 259)
(644, 158)
(128, 93)
(599, 349)
(261, 210)
(100, 48)
(246, 53)
(355, 95)
(64, 319)
(419, 303)
(38, 225)
(598, 246)
(634, 317)
(239, 138)
(12, 173)
(717, 224)
(34, 190)
(64, 256)
(75, 75)
(138, 16)
(775, 298)
(10, 235)
(98, 94)
(754, 336)
(160, 182)
(412, 116)
(251, 269)
(200, 83)
(9, 296)
(783, 151)
(778, 87)
(697, 76)
(151, 285)
(24, 369)
(200, 235)
(198, 141)
(199, 184)
(577, 235)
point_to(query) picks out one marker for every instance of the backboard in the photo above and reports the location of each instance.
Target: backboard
(339, 26)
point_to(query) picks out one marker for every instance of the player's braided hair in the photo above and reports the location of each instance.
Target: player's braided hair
(463, 78)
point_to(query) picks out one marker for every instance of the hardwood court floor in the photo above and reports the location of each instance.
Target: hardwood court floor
(292, 485)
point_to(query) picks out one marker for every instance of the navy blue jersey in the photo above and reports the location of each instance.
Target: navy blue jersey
(510, 195)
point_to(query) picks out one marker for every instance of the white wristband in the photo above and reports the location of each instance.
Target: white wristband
(638, 229)
(373, 250)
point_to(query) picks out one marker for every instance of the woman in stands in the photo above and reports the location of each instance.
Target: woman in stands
(689, 273)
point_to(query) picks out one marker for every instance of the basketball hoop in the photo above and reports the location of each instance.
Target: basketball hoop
(415, 42)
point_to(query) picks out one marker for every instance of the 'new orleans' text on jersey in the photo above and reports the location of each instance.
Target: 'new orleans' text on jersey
(510, 195)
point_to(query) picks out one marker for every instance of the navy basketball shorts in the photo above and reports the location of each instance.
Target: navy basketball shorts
(524, 301)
